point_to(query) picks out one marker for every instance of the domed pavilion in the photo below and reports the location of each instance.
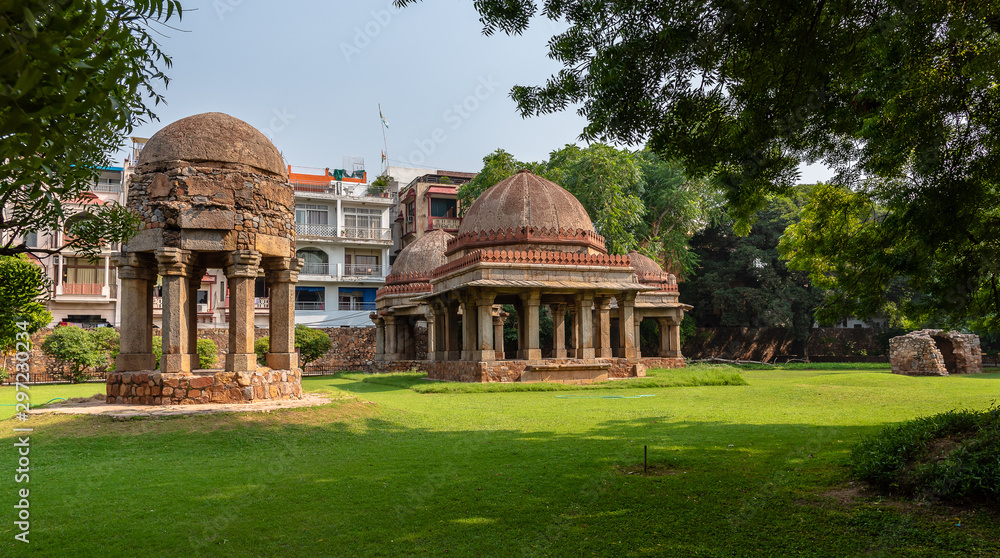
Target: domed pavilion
(529, 243)
(211, 192)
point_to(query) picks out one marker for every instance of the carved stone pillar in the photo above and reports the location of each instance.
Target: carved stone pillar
(175, 267)
(486, 349)
(573, 330)
(469, 327)
(638, 335)
(453, 332)
(626, 325)
(431, 335)
(241, 274)
(665, 330)
(585, 324)
(136, 349)
(602, 327)
(281, 275)
(558, 330)
(391, 352)
(498, 334)
(530, 302)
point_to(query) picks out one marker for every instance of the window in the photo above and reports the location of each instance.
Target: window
(411, 212)
(310, 298)
(356, 300)
(316, 261)
(362, 218)
(31, 239)
(362, 263)
(81, 270)
(311, 214)
(443, 207)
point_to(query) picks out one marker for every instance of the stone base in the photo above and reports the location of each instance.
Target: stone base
(205, 386)
(557, 370)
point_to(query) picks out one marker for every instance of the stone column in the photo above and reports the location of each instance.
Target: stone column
(281, 275)
(602, 327)
(136, 348)
(585, 323)
(558, 330)
(638, 335)
(175, 267)
(453, 331)
(530, 302)
(498, 335)
(194, 282)
(469, 327)
(379, 338)
(486, 349)
(573, 330)
(675, 340)
(441, 324)
(241, 274)
(431, 334)
(390, 338)
(626, 325)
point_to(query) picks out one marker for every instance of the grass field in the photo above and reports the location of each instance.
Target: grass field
(752, 470)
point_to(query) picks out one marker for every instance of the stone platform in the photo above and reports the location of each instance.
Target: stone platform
(555, 370)
(204, 386)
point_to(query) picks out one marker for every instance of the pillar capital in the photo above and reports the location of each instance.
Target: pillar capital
(532, 297)
(243, 263)
(173, 261)
(282, 270)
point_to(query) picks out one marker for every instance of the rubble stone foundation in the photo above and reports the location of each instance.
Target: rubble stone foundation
(210, 386)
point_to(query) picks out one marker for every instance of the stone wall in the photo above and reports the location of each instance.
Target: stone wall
(768, 344)
(153, 388)
(934, 352)
(513, 370)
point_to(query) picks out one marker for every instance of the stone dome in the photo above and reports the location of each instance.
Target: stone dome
(211, 137)
(526, 210)
(419, 259)
(648, 272)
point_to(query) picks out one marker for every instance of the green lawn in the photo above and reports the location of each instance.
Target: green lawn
(754, 470)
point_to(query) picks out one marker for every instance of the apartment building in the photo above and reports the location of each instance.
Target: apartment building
(427, 202)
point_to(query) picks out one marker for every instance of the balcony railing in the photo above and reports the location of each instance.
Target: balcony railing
(315, 269)
(112, 188)
(445, 223)
(82, 288)
(356, 306)
(261, 302)
(362, 270)
(310, 305)
(350, 189)
(352, 233)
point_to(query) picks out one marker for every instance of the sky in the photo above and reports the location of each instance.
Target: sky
(311, 75)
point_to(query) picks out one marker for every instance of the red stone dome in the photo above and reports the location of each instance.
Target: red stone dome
(648, 272)
(420, 258)
(523, 211)
(211, 137)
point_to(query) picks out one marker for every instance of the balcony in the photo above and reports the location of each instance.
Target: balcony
(344, 272)
(444, 223)
(381, 236)
(356, 306)
(331, 189)
(110, 188)
(87, 290)
(310, 305)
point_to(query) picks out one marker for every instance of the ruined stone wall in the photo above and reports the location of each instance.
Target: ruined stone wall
(215, 196)
(934, 352)
(154, 388)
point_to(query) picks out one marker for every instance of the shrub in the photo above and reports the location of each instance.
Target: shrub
(157, 350)
(76, 348)
(261, 346)
(311, 343)
(950, 456)
(107, 340)
(208, 353)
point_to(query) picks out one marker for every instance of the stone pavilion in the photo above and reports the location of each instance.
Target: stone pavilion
(211, 192)
(529, 243)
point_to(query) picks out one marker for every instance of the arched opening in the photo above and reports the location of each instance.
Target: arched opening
(947, 349)
(316, 261)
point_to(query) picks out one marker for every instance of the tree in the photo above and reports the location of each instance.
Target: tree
(898, 97)
(24, 289)
(743, 282)
(76, 348)
(77, 77)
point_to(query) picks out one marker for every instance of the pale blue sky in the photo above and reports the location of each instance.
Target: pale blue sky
(310, 75)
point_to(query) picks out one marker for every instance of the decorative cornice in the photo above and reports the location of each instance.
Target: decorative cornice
(531, 257)
(408, 277)
(525, 235)
(409, 288)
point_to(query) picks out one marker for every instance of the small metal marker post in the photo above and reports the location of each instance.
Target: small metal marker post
(645, 455)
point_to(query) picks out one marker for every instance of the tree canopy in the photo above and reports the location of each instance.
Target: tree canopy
(900, 98)
(76, 77)
(24, 290)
